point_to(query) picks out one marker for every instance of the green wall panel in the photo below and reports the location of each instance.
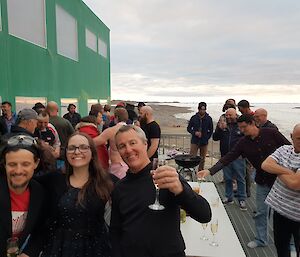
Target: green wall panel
(33, 71)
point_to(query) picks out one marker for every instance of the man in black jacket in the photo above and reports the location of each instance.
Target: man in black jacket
(256, 146)
(21, 197)
(201, 128)
(228, 133)
(137, 230)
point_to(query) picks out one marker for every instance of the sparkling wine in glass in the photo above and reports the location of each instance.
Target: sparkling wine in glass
(204, 226)
(214, 230)
(156, 206)
(12, 247)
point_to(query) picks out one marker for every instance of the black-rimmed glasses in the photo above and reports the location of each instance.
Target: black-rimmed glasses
(82, 148)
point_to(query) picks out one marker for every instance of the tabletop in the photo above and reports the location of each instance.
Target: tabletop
(192, 231)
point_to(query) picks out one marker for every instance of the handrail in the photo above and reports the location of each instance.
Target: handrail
(181, 142)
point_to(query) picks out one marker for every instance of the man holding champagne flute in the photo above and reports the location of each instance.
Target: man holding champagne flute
(136, 229)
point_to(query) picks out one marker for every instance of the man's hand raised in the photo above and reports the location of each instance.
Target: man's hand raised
(167, 177)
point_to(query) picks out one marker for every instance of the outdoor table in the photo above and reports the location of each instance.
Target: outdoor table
(229, 244)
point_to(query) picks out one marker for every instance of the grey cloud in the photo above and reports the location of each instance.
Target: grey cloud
(203, 42)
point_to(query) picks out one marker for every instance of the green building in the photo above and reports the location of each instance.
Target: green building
(53, 50)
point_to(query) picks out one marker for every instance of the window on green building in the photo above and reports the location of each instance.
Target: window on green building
(27, 20)
(102, 48)
(28, 102)
(90, 40)
(66, 34)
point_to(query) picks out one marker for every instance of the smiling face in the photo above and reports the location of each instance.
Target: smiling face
(132, 149)
(78, 152)
(19, 166)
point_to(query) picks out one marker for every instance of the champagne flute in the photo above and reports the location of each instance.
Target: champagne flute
(12, 247)
(215, 201)
(214, 230)
(200, 180)
(204, 226)
(156, 206)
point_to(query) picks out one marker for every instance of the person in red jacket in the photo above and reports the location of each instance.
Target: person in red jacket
(89, 125)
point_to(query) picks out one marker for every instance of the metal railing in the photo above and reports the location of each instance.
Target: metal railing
(181, 143)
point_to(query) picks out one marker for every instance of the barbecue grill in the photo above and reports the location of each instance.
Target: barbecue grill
(187, 164)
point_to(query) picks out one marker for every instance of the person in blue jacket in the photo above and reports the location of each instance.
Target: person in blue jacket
(201, 128)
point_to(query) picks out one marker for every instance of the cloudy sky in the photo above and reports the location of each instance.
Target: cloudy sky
(203, 50)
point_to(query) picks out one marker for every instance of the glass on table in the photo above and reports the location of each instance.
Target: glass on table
(200, 181)
(204, 226)
(156, 206)
(214, 229)
(214, 201)
(12, 249)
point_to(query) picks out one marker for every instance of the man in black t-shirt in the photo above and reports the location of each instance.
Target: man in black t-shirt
(152, 131)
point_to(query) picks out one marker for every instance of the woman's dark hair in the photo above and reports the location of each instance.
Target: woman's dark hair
(89, 119)
(95, 108)
(99, 181)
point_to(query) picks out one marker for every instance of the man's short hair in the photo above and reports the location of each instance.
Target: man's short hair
(202, 104)
(141, 134)
(141, 104)
(70, 105)
(247, 118)
(107, 108)
(243, 104)
(6, 102)
(37, 106)
(227, 106)
(121, 114)
(43, 114)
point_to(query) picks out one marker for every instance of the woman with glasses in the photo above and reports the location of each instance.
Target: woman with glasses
(77, 202)
(89, 125)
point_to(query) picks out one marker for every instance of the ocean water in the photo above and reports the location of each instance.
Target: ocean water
(284, 115)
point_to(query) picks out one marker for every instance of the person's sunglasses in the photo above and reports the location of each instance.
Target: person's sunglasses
(21, 140)
(82, 148)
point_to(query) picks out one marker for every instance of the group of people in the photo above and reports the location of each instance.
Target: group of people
(250, 142)
(59, 184)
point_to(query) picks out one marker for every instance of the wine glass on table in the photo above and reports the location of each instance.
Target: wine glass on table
(204, 226)
(12, 249)
(214, 230)
(156, 206)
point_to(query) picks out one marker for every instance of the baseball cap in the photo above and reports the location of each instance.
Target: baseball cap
(121, 104)
(27, 114)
